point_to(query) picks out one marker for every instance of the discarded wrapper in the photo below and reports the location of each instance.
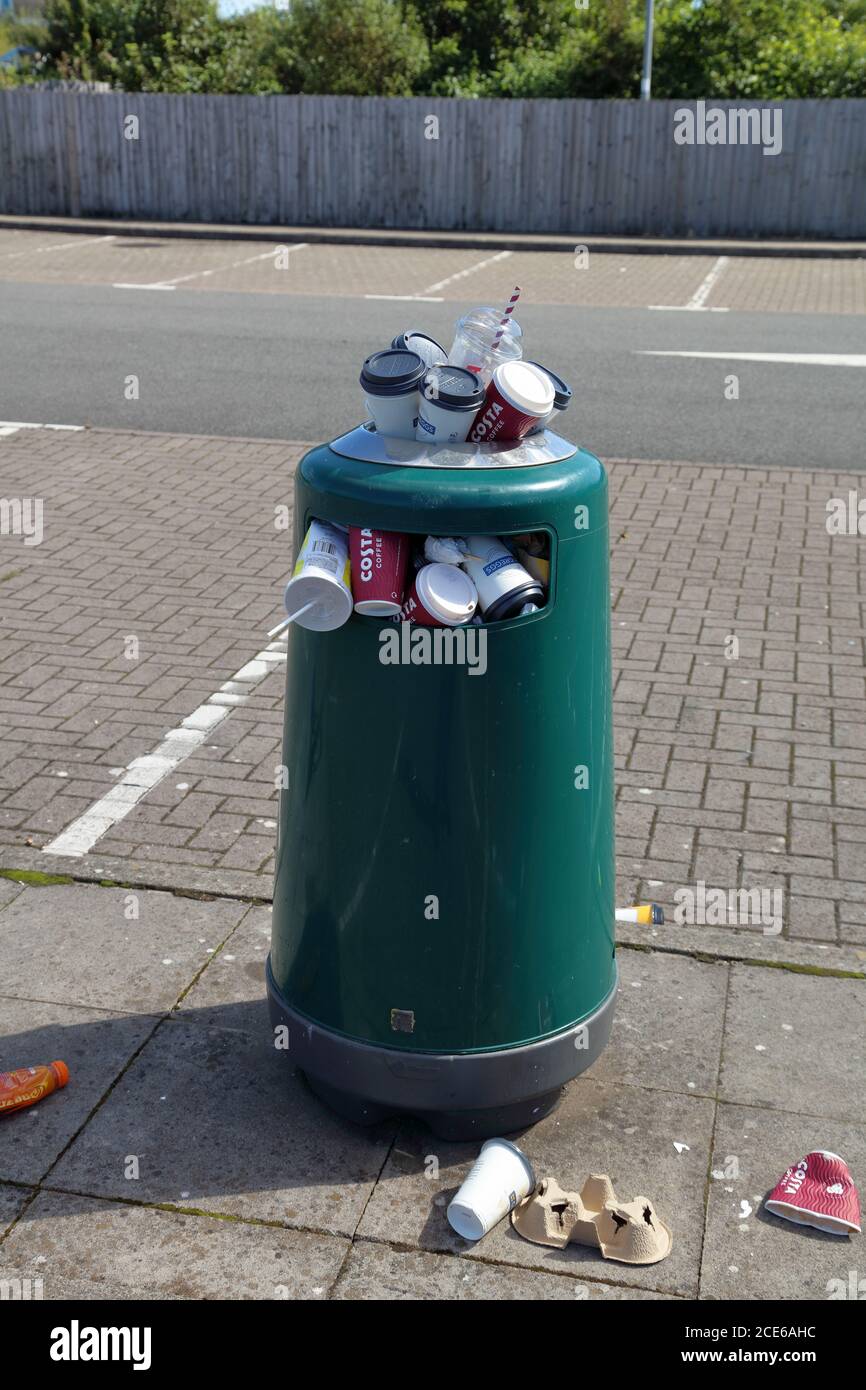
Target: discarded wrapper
(818, 1191)
(626, 1231)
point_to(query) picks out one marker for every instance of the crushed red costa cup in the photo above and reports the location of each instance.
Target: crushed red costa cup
(818, 1191)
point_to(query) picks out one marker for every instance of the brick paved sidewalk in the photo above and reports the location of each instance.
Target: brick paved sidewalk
(610, 278)
(744, 770)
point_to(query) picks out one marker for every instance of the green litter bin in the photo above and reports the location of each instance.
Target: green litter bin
(443, 922)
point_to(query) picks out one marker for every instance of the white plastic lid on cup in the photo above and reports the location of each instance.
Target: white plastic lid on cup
(500, 1178)
(527, 388)
(447, 593)
(333, 602)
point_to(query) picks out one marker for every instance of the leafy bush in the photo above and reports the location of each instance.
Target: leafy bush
(524, 48)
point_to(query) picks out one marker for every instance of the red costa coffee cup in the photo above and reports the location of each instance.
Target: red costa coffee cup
(818, 1191)
(519, 395)
(379, 560)
(441, 596)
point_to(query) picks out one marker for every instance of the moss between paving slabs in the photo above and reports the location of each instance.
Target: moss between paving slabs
(34, 878)
(705, 958)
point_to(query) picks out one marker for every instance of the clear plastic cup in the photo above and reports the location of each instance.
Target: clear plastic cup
(473, 343)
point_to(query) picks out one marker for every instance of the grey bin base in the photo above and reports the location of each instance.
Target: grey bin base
(465, 1095)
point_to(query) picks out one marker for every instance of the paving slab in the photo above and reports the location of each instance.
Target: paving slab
(158, 1253)
(795, 1042)
(748, 1252)
(599, 1128)
(717, 943)
(374, 1272)
(8, 891)
(83, 1291)
(74, 944)
(12, 1201)
(220, 1123)
(94, 1044)
(231, 992)
(667, 1028)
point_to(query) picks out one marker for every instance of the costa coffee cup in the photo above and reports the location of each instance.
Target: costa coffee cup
(390, 382)
(518, 397)
(562, 395)
(432, 354)
(818, 1191)
(450, 399)
(441, 596)
(379, 560)
(504, 587)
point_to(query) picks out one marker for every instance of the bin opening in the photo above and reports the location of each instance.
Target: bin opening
(437, 581)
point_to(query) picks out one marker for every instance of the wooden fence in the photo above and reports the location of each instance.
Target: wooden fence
(574, 167)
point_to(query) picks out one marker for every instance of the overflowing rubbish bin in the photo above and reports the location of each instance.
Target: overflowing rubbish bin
(444, 902)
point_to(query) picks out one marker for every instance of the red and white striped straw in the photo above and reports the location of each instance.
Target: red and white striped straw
(509, 310)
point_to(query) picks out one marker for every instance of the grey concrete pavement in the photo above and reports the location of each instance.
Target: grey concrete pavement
(170, 1124)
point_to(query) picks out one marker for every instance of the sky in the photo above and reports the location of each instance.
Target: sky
(228, 7)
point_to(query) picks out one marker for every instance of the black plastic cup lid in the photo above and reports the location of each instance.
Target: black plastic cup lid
(562, 393)
(453, 388)
(393, 372)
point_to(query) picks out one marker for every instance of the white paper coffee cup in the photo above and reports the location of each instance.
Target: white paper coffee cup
(449, 402)
(500, 1178)
(390, 381)
(396, 416)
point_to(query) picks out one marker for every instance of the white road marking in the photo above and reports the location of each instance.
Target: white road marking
(809, 359)
(427, 295)
(698, 301)
(64, 246)
(144, 773)
(170, 283)
(470, 270)
(13, 426)
(426, 299)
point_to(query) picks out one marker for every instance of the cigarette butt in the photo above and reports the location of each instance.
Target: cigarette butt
(644, 914)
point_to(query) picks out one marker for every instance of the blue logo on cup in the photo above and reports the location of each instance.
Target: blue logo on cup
(502, 563)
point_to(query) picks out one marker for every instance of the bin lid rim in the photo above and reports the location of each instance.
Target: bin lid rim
(364, 444)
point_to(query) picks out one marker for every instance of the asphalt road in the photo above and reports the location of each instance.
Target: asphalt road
(280, 366)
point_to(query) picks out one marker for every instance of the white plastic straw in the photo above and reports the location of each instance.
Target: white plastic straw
(287, 622)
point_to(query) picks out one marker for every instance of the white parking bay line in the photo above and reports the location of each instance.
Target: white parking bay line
(428, 295)
(427, 299)
(461, 274)
(13, 426)
(169, 283)
(808, 359)
(698, 301)
(145, 773)
(62, 246)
